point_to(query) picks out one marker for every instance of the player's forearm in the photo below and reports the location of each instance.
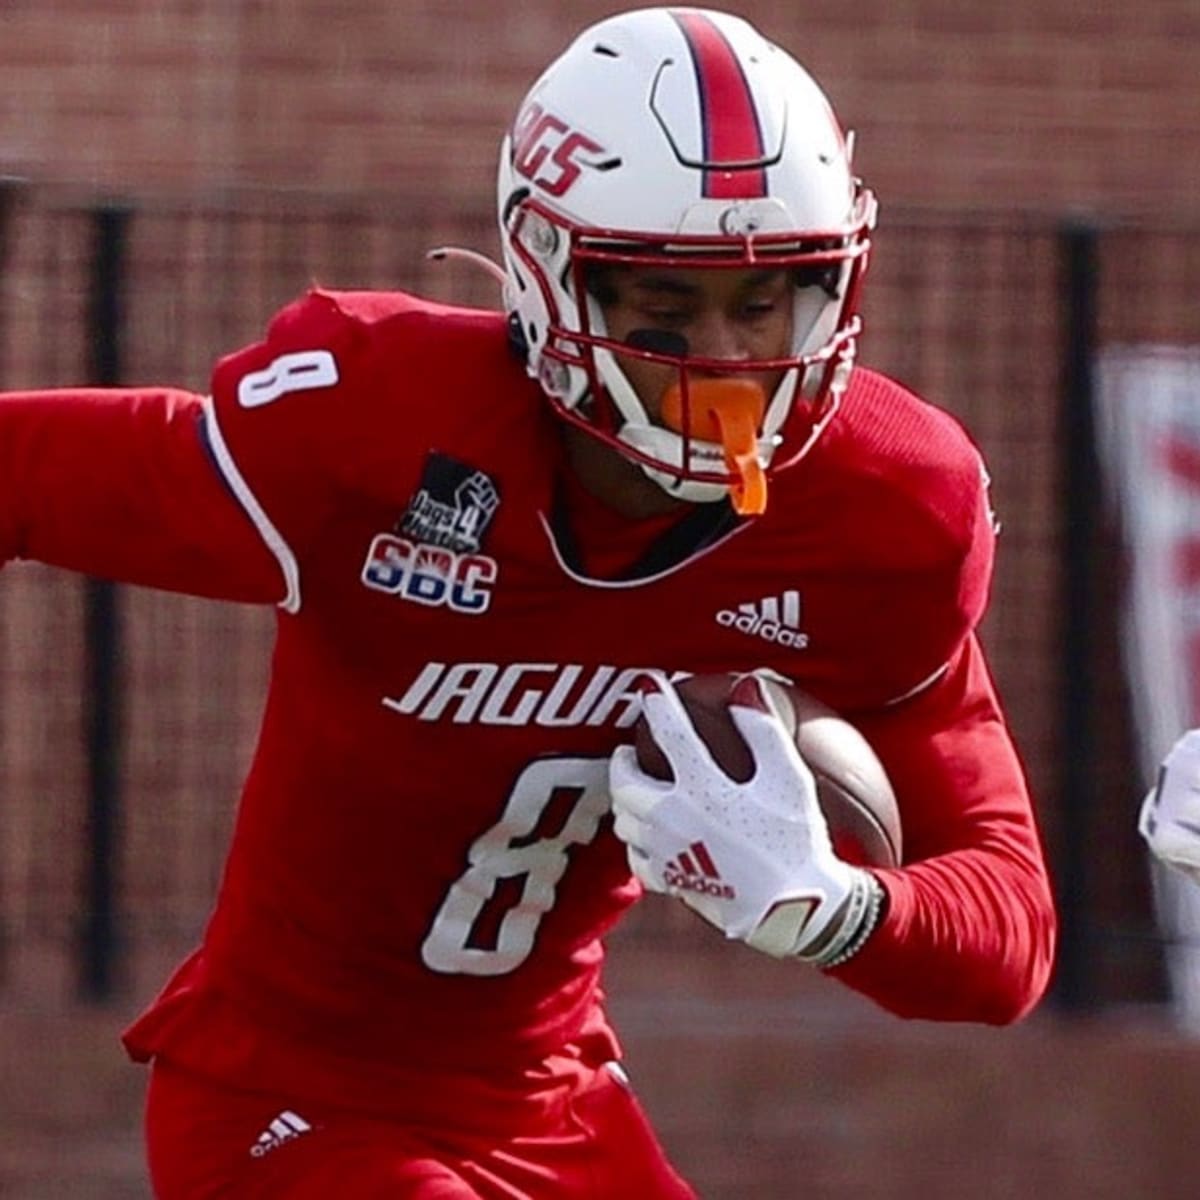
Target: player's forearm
(967, 937)
(970, 926)
(117, 483)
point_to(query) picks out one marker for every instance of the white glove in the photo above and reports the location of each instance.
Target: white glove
(754, 859)
(1170, 817)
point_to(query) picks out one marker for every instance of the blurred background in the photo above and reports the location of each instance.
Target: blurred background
(175, 170)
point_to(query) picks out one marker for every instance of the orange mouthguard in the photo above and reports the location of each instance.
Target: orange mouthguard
(729, 412)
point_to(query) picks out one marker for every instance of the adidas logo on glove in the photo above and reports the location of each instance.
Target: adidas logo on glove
(693, 870)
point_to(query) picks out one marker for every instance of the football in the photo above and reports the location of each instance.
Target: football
(852, 786)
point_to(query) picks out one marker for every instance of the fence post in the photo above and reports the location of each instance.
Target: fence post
(11, 188)
(103, 705)
(1075, 988)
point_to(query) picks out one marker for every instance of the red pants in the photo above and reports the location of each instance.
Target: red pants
(208, 1141)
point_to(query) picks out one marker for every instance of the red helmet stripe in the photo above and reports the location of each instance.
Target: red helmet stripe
(731, 130)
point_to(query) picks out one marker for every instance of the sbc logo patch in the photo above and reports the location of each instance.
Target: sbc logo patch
(433, 555)
(430, 575)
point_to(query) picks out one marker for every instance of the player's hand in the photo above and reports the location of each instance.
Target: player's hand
(754, 859)
(1170, 817)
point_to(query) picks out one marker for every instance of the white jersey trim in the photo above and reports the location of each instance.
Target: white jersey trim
(923, 686)
(271, 536)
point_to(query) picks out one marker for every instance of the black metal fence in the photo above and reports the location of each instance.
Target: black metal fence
(127, 717)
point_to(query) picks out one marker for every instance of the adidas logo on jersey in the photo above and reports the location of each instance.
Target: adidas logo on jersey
(773, 618)
(693, 870)
(284, 1128)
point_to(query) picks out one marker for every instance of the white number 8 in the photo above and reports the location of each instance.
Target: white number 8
(515, 872)
(300, 371)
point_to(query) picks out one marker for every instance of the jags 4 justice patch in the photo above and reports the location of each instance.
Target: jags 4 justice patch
(434, 554)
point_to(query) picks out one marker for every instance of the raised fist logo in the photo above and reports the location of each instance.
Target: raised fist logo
(476, 499)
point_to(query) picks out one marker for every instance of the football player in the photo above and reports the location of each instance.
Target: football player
(484, 532)
(1169, 820)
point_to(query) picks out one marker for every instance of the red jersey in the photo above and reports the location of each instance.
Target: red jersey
(423, 869)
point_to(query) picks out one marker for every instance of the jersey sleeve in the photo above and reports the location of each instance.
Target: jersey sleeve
(118, 483)
(213, 496)
(321, 411)
(970, 928)
(940, 605)
(913, 533)
(271, 404)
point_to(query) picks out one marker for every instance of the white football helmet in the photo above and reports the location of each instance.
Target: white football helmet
(681, 133)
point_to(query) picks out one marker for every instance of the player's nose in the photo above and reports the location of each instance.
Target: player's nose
(715, 335)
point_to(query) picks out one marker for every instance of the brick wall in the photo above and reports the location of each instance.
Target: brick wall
(1033, 104)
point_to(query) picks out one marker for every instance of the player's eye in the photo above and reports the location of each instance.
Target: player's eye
(760, 308)
(667, 314)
